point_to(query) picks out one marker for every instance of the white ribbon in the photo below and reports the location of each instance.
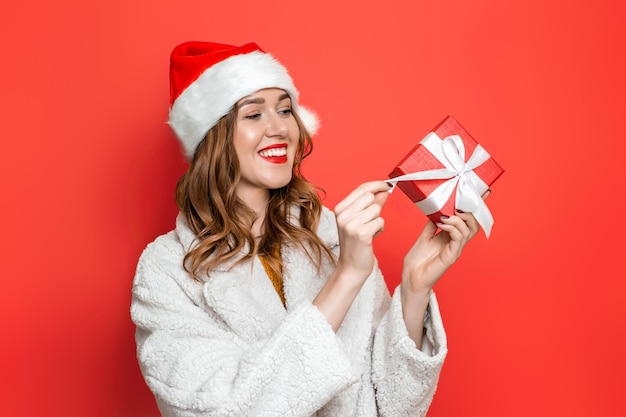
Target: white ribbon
(459, 174)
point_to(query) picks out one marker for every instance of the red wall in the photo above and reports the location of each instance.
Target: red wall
(535, 314)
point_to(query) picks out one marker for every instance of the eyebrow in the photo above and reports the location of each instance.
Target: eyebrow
(259, 100)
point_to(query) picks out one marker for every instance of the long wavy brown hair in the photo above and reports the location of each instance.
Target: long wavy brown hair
(205, 194)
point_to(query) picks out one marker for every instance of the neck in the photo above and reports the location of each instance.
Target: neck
(257, 201)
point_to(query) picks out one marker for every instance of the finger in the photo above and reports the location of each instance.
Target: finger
(367, 187)
(381, 197)
(361, 222)
(366, 213)
(470, 221)
(454, 234)
(379, 225)
(486, 194)
(455, 241)
(357, 205)
(456, 228)
(358, 231)
(363, 202)
(428, 231)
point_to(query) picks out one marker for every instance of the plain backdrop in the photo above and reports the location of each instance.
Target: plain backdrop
(535, 314)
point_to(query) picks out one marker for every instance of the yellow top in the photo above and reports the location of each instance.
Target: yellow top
(276, 279)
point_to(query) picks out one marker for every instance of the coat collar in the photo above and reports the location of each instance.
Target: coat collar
(243, 295)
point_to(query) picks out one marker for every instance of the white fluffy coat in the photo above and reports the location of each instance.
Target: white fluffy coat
(228, 347)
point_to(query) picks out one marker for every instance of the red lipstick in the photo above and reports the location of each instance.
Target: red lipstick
(276, 154)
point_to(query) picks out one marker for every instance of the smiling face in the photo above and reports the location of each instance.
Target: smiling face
(265, 140)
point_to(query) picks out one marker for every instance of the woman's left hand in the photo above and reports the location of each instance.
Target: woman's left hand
(433, 253)
(430, 256)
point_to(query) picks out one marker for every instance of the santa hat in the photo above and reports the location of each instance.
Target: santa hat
(207, 79)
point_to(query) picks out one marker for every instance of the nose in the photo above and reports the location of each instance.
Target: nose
(276, 126)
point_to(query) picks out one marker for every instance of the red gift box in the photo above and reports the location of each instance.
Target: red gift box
(466, 164)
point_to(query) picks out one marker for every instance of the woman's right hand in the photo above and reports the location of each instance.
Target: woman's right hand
(358, 222)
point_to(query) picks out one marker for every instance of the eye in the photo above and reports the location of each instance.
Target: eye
(286, 112)
(253, 116)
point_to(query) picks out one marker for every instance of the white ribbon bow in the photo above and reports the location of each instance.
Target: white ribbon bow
(458, 173)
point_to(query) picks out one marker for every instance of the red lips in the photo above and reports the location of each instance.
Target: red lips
(276, 154)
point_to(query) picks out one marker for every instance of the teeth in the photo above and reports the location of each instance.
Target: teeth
(273, 152)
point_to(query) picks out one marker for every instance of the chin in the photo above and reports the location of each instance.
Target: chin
(274, 185)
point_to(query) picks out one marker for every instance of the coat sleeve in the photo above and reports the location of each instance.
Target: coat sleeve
(405, 378)
(196, 367)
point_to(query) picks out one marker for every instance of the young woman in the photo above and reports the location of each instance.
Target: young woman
(262, 302)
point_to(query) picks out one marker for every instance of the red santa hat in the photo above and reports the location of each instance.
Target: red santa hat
(207, 79)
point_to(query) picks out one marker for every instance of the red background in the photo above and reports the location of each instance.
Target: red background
(535, 314)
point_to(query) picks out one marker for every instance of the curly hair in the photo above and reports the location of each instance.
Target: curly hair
(221, 221)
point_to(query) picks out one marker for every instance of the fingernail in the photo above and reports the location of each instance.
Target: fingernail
(390, 184)
(459, 211)
(444, 217)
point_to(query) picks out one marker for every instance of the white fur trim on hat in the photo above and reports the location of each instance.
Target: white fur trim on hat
(198, 108)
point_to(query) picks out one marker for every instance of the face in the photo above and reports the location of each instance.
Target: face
(265, 140)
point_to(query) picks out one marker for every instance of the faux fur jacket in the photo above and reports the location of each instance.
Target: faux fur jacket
(228, 347)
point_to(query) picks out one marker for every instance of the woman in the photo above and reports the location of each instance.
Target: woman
(262, 302)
